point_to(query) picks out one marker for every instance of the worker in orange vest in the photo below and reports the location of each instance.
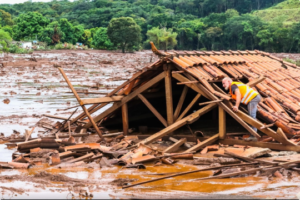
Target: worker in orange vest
(242, 93)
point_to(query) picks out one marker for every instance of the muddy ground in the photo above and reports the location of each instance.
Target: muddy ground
(31, 87)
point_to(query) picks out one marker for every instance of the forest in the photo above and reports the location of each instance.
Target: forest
(171, 24)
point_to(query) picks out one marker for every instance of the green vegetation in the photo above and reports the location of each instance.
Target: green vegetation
(124, 32)
(287, 12)
(268, 25)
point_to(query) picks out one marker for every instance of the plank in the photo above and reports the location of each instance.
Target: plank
(169, 96)
(175, 146)
(125, 119)
(56, 117)
(181, 78)
(179, 124)
(186, 110)
(101, 100)
(273, 146)
(203, 144)
(256, 81)
(180, 102)
(222, 123)
(284, 138)
(82, 106)
(153, 110)
(132, 95)
(188, 82)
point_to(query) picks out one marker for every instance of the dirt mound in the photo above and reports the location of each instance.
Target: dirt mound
(56, 177)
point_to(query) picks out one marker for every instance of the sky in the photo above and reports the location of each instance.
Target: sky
(20, 1)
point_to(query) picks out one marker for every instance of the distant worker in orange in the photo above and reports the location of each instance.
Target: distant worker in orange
(242, 93)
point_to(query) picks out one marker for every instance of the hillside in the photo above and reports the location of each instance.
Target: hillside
(287, 12)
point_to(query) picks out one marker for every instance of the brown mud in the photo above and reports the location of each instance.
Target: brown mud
(31, 87)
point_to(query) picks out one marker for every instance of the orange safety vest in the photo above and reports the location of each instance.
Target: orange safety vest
(247, 93)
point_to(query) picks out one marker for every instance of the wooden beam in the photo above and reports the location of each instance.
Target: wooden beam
(203, 144)
(273, 146)
(125, 118)
(153, 110)
(175, 146)
(189, 82)
(132, 95)
(189, 119)
(189, 107)
(180, 102)
(82, 106)
(209, 102)
(169, 95)
(101, 100)
(181, 78)
(222, 123)
(256, 81)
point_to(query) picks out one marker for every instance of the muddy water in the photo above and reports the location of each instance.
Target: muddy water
(41, 90)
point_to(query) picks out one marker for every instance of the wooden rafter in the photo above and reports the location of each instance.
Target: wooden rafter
(153, 110)
(186, 110)
(180, 102)
(125, 120)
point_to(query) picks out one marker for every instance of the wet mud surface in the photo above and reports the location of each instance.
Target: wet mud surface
(31, 88)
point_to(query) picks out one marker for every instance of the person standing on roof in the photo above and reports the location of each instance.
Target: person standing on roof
(242, 93)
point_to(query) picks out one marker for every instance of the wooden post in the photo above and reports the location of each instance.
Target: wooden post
(180, 102)
(125, 118)
(222, 123)
(169, 95)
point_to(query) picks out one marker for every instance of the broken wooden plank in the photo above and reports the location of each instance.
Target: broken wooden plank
(153, 110)
(101, 100)
(272, 146)
(175, 146)
(187, 145)
(180, 102)
(247, 159)
(204, 143)
(284, 138)
(82, 106)
(178, 124)
(82, 158)
(132, 95)
(220, 160)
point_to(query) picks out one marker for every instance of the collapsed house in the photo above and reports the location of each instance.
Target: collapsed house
(180, 95)
(192, 77)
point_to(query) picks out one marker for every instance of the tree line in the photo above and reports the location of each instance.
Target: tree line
(131, 24)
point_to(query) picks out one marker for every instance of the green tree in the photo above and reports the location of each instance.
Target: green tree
(51, 34)
(29, 24)
(101, 40)
(124, 32)
(213, 33)
(266, 39)
(4, 40)
(163, 38)
(5, 18)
